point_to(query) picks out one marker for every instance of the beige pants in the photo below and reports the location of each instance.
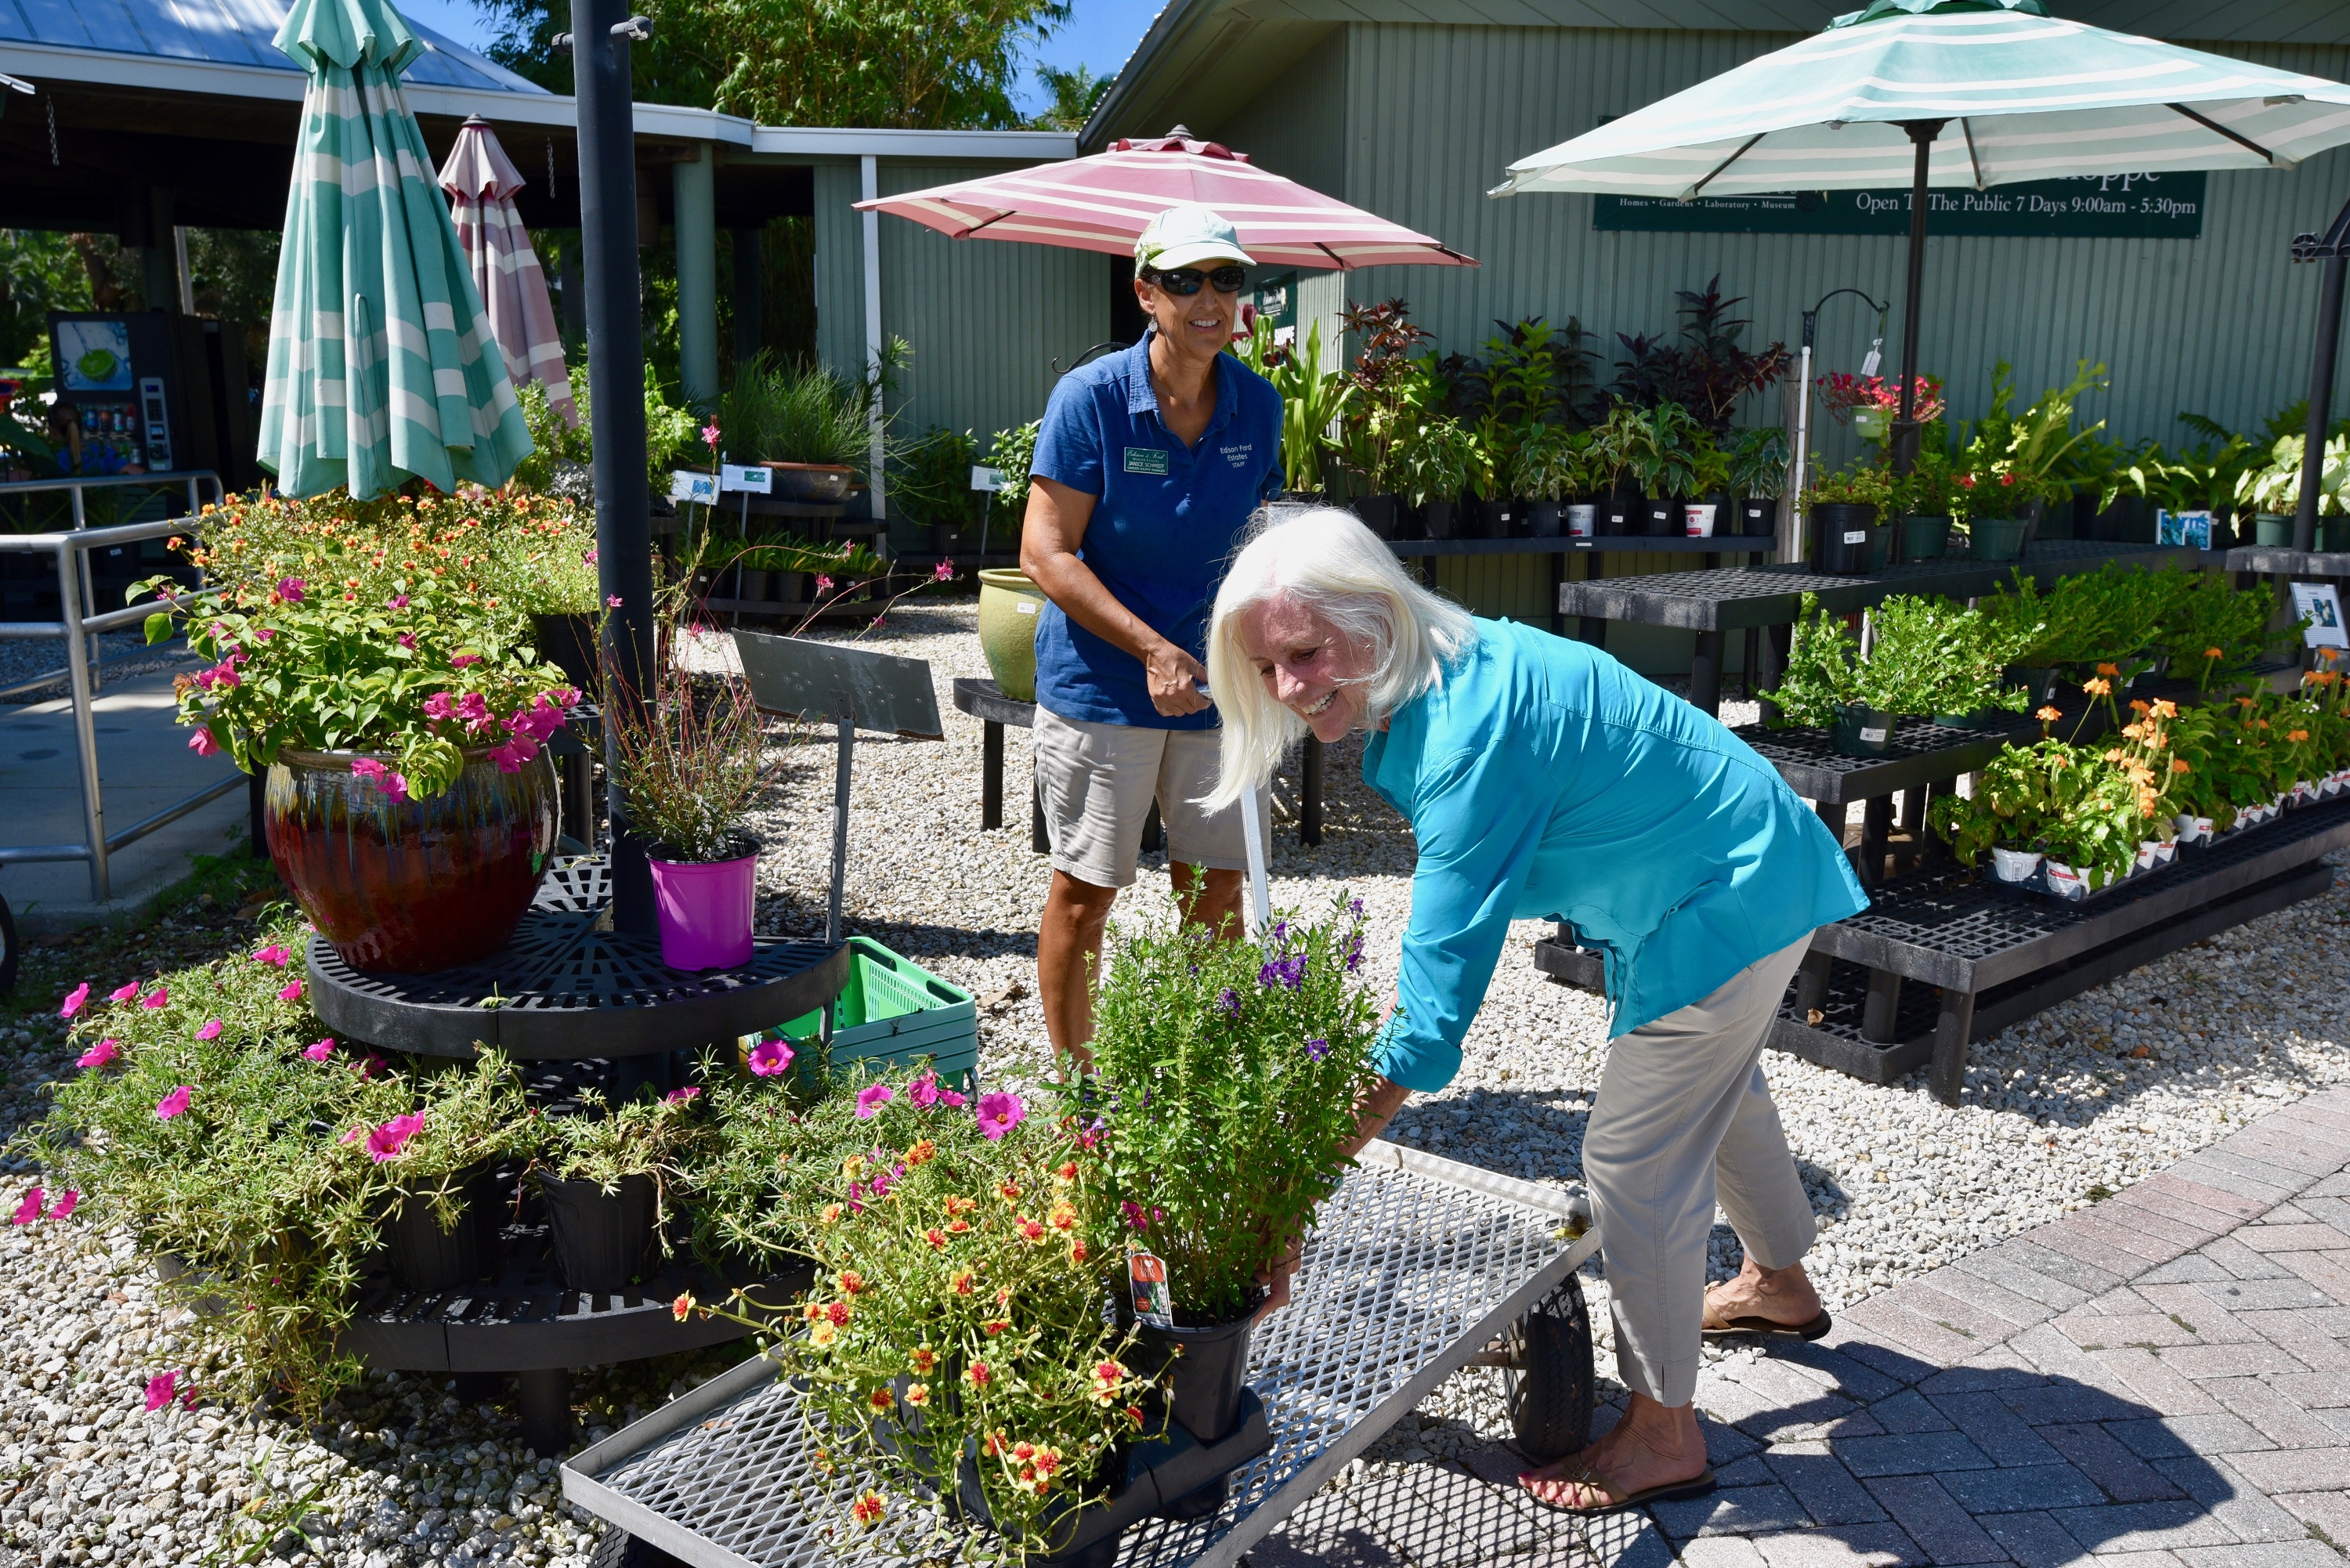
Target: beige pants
(1098, 781)
(1684, 1114)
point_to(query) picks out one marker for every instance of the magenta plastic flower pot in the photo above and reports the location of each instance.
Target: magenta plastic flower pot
(704, 910)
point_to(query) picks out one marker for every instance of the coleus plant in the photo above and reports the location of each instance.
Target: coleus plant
(410, 682)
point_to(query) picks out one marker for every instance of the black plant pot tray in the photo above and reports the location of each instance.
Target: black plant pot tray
(1415, 1266)
(566, 987)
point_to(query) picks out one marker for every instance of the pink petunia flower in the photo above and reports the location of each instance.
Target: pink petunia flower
(98, 1055)
(324, 1051)
(162, 1389)
(30, 1209)
(871, 1098)
(203, 743)
(210, 1030)
(175, 1103)
(66, 1205)
(275, 955)
(124, 993)
(387, 1141)
(160, 997)
(998, 1114)
(769, 1057)
(74, 999)
(290, 992)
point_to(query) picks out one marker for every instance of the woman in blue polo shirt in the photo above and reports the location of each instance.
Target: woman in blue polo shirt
(1147, 466)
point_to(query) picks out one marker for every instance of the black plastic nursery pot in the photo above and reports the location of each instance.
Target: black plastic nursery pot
(1620, 513)
(1844, 536)
(1863, 732)
(426, 1258)
(1493, 517)
(1997, 538)
(1542, 519)
(1660, 517)
(1757, 518)
(1439, 518)
(568, 642)
(600, 1237)
(1205, 1370)
(1924, 538)
(2039, 682)
(1377, 512)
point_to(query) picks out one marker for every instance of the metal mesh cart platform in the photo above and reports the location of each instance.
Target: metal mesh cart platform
(1416, 1266)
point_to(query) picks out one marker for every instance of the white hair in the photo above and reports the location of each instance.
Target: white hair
(1324, 561)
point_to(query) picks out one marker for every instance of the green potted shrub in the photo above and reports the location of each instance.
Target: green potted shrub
(434, 1142)
(606, 1173)
(1621, 508)
(1708, 509)
(1436, 461)
(1926, 656)
(1758, 478)
(930, 479)
(1843, 507)
(1392, 391)
(688, 762)
(1922, 499)
(1551, 470)
(1224, 1079)
(813, 428)
(1659, 447)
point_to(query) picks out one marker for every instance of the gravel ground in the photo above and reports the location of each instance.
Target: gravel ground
(2087, 1098)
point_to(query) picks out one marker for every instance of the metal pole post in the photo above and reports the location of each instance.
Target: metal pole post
(93, 809)
(616, 383)
(1803, 446)
(843, 715)
(1904, 445)
(869, 176)
(2321, 382)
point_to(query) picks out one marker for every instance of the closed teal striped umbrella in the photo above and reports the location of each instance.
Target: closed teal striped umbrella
(380, 361)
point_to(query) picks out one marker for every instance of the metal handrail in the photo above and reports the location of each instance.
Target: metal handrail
(71, 549)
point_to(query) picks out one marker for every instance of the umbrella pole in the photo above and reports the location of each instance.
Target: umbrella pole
(2335, 249)
(616, 381)
(1904, 446)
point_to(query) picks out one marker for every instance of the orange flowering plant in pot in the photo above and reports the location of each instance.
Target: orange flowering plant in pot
(954, 1343)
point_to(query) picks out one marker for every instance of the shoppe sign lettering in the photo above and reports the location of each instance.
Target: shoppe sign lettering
(2103, 206)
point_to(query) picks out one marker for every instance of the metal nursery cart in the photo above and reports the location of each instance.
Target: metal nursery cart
(1418, 1267)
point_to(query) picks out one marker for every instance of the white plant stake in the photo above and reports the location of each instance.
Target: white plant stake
(1260, 896)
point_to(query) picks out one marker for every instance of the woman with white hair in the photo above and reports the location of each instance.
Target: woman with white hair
(1543, 780)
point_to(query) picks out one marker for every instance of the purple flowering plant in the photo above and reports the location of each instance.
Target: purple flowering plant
(1225, 1075)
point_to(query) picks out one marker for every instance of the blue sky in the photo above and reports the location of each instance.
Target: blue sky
(1100, 33)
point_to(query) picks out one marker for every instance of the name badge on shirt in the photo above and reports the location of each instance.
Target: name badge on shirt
(1145, 460)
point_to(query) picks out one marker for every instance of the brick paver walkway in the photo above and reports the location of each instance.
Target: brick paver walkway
(2161, 1380)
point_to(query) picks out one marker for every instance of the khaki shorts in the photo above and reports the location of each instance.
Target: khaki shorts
(1098, 781)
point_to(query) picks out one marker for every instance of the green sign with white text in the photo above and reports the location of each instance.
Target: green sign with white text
(2105, 206)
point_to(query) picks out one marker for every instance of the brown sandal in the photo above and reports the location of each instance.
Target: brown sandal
(1769, 1327)
(1671, 1491)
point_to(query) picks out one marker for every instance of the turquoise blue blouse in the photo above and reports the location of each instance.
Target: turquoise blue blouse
(1543, 780)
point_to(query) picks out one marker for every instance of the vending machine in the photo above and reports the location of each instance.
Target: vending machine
(151, 392)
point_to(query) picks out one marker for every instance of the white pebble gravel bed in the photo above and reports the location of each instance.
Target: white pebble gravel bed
(2094, 1095)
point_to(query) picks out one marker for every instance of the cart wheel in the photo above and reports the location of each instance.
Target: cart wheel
(10, 948)
(1548, 1382)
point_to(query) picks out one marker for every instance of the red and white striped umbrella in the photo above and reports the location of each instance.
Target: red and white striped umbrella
(481, 181)
(1102, 204)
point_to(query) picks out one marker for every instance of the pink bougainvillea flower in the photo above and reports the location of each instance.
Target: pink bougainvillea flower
(462, 660)
(440, 705)
(162, 1389)
(74, 999)
(871, 1098)
(66, 1205)
(395, 787)
(407, 639)
(175, 1103)
(158, 998)
(369, 767)
(769, 1057)
(290, 992)
(999, 1113)
(290, 590)
(679, 1096)
(124, 993)
(30, 1209)
(386, 1141)
(399, 601)
(210, 1030)
(324, 1051)
(98, 1055)
(475, 710)
(275, 955)
(515, 755)
(202, 743)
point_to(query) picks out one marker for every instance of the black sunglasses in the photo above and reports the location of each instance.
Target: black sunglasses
(1185, 281)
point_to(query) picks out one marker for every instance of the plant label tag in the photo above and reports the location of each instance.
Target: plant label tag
(1871, 737)
(988, 479)
(757, 478)
(1145, 460)
(1147, 1275)
(684, 484)
(2321, 605)
(1026, 607)
(1856, 536)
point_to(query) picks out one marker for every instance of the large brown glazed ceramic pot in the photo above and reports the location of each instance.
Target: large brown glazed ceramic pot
(414, 885)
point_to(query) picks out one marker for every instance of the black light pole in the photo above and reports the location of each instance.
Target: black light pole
(1903, 447)
(2334, 250)
(601, 32)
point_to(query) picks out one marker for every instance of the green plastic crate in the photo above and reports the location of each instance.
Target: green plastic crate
(894, 1012)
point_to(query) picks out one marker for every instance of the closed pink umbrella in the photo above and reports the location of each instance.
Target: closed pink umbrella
(1103, 202)
(482, 182)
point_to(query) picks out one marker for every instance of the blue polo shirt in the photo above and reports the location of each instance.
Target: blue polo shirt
(1166, 518)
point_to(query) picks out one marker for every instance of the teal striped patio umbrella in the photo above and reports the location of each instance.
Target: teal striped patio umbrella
(381, 365)
(1948, 93)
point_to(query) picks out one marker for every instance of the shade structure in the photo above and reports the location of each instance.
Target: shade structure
(1103, 202)
(380, 364)
(2024, 96)
(481, 181)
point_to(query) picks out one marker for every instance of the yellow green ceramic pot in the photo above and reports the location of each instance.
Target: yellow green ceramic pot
(1009, 605)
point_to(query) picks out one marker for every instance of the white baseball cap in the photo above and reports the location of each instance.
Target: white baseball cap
(1185, 235)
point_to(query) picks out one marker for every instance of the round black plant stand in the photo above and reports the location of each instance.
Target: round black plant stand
(568, 986)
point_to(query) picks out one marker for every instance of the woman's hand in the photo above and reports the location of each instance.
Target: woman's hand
(1174, 678)
(1372, 1114)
